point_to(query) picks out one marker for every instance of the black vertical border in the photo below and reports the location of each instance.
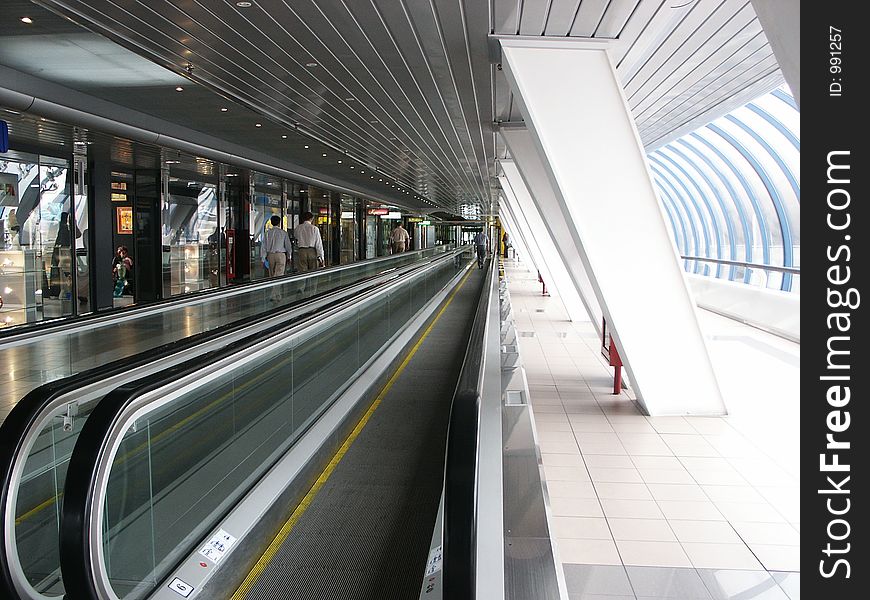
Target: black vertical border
(833, 123)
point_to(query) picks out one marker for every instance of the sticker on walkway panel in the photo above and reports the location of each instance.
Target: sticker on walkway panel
(436, 557)
(217, 547)
(180, 588)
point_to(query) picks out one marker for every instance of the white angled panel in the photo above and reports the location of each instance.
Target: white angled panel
(589, 152)
(555, 273)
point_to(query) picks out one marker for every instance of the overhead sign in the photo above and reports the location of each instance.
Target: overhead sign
(393, 215)
(4, 136)
(347, 214)
(378, 211)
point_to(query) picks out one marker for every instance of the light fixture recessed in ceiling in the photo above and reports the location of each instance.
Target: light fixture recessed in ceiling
(244, 4)
(27, 20)
(258, 124)
(283, 137)
(306, 146)
(179, 89)
(224, 109)
(324, 155)
(311, 65)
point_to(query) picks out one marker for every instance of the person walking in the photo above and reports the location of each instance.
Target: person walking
(309, 253)
(506, 242)
(276, 248)
(481, 241)
(399, 238)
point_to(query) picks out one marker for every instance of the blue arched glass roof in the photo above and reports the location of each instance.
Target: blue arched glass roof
(731, 192)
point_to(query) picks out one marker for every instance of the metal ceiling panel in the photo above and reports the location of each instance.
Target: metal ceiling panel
(403, 86)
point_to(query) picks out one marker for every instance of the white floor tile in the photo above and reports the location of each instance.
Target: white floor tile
(655, 530)
(562, 460)
(590, 552)
(657, 462)
(690, 511)
(571, 489)
(666, 476)
(778, 558)
(778, 534)
(677, 491)
(631, 509)
(721, 556)
(604, 461)
(558, 447)
(575, 507)
(716, 532)
(586, 528)
(732, 493)
(622, 491)
(615, 475)
(653, 554)
(753, 512)
(557, 436)
(566, 473)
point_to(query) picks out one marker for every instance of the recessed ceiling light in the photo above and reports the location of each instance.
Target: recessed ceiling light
(306, 146)
(374, 122)
(27, 20)
(258, 124)
(339, 162)
(244, 4)
(361, 172)
(283, 137)
(224, 109)
(350, 99)
(324, 155)
(179, 89)
(311, 65)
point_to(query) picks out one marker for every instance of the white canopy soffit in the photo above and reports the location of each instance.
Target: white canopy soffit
(581, 143)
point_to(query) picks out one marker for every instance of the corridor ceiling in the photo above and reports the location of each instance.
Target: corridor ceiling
(406, 89)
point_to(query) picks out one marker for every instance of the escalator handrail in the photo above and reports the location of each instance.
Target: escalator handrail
(461, 463)
(29, 412)
(47, 327)
(90, 458)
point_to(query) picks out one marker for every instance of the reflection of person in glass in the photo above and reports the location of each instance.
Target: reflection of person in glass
(122, 268)
(61, 260)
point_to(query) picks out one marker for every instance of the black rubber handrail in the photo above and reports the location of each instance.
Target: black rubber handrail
(91, 447)
(460, 470)
(64, 322)
(26, 413)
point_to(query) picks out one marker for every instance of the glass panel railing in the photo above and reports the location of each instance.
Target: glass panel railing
(181, 466)
(33, 519)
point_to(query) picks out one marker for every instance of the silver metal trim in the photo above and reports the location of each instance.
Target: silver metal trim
(737, 263)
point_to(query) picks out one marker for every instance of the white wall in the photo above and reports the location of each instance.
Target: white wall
(772, 310)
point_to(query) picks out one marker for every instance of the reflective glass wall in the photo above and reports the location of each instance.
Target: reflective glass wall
(39, 235)
(731, 194)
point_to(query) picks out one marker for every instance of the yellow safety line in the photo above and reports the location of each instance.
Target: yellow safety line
(269, 554)
(36, 509)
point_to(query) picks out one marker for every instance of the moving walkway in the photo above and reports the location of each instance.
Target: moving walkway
(223, 412)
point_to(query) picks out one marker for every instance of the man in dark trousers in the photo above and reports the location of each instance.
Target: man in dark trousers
(481, 241)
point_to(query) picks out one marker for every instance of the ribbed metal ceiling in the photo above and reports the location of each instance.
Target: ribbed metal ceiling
(407, 87)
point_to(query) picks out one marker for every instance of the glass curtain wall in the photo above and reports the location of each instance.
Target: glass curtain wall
(349, 245)
(266, 202)
(731, 192)
(191, 230)
(39, 229)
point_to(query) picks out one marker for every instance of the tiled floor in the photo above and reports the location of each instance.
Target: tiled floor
(665, 507)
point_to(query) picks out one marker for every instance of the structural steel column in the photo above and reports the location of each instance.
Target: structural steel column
(781, 22)
(580, 131)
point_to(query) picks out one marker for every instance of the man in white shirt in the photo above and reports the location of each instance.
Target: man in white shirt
(309, 252)
(399, 238)
(276, 247)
